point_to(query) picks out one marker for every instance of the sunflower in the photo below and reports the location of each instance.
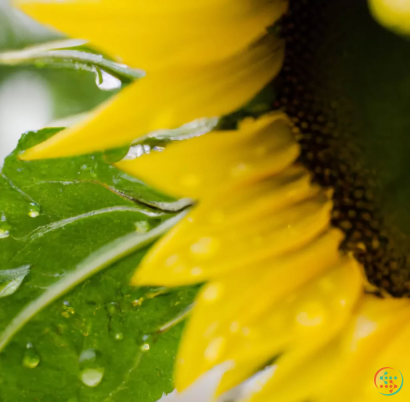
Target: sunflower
(291, 275)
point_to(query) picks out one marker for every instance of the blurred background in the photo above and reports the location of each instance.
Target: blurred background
(32, 97)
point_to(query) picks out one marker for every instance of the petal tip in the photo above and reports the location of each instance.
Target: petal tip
(30, 154)
(40, 151)
(140, 278)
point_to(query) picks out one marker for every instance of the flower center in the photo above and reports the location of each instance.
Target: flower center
(339, 85)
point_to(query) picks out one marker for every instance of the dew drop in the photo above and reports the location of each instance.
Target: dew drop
(212, 292)
(115, 325)
(87, 355)
(145, 347)
(111, 308)
(172, 260)
(205, 247)
(105, 81)
(31, 358)
(214, 349)
(92, 371)
(142, 227)
(137, 302)
(234, 327)
(4, 227)
(4, 234)
(92, 377)
(11, 279)
(68, 310)
(115, 329)
(34, 210)
(196, 271)
(312, 315)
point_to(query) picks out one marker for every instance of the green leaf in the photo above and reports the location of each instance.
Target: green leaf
(70, 54)
(74, 330)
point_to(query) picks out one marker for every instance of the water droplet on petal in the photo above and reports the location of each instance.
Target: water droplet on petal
(205, 247)
(92, 377)
(171, 260)
(31, 358)
(313, 314)
(234, 327)
(196, 271)
(212, 292)
(215, 349)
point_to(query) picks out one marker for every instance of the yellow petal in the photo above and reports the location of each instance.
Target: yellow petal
(206, 244)
(249, 292)
(394, 14)
(349, 356)
(169, 99)
(397, 356)
(157, 34)
(199, 166)
(297, 321)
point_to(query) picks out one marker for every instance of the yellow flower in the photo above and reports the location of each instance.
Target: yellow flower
(277, 285)
(394, 14)
(207, 77)
(161, 33)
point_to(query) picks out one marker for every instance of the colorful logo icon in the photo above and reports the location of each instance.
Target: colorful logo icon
(388, 381)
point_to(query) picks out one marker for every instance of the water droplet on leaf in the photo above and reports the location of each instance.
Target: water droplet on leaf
(105, 81)
(92, 369)
(92, 377)
(11, 279)
(87, 355)
(111, 308)
(4, 227)
(145, 347)
(137, 302)
(142, 227)
(34, 210)
(31, 358)
(68, 310)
